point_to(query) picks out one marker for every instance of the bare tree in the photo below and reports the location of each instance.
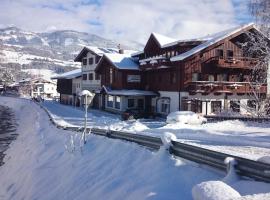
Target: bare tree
(260, 10)
(257, 45)
(6, 77)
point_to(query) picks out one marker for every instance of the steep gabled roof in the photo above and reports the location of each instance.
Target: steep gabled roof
(99, 51)
(162, 39)
(212, 39)
(69, 75)
(120, 61)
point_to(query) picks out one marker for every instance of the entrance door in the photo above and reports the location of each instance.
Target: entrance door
(141, 104)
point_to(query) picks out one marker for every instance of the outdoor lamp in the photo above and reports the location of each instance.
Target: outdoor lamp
(87, 99)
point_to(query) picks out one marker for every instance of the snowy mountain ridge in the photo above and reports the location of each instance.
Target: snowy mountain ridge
(55, 51)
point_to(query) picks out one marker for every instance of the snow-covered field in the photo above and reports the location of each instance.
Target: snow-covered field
(12, 56)
(246, 139)
(42, 164)
(45, 73)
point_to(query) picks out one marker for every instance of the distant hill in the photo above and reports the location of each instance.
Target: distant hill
(55, 51)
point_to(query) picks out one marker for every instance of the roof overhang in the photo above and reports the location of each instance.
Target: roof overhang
(107, 90)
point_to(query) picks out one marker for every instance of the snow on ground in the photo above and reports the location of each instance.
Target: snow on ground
(45, 73)
(40, 165)
(246, 139)
(11, 56)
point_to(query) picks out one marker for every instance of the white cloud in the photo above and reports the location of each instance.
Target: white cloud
(125, 20)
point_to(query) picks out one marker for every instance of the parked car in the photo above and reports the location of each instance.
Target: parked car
(185, 117)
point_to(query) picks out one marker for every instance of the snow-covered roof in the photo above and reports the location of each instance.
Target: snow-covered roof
(210, 40)
(101, 50)
(69, 75)
(162, 39)
(96, 50)
(122, 61)
(137, 53)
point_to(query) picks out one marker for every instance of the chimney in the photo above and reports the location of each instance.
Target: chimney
(120, 50)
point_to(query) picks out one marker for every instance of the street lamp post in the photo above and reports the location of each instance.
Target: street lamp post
(88, 97)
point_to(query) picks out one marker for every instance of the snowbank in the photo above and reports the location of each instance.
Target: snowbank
(214, 190)
(244, 139)
(185, 117)
(129, 126)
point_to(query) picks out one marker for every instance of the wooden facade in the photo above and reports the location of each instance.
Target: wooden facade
(115, 78)
(223, 61)
(64, 86)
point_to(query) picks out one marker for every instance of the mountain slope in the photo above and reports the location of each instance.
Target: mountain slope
(55, 51)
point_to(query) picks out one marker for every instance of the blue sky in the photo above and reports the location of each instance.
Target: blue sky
(126, 20)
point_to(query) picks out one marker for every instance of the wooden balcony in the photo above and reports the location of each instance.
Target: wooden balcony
(219, 87)
(155, 63)
(232, 62)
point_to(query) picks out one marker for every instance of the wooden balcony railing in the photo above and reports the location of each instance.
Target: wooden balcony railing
(232, 62)
(225, 87)
(155, 63)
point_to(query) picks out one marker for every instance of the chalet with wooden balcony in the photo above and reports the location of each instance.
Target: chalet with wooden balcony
(205, 75)
(122, 84)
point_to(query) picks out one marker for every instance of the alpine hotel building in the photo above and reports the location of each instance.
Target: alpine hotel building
(205, 75)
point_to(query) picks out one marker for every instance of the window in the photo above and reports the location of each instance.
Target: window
(220, 53)
(215, 106)
(97, 76)
(164, 107)
(131, 103)
(133, 78)
(235, 106)
(251, 104)
(111, 76)
(84, 61)
(173, 77)
(229, 53)
(90, 76)
(97, 59)
(84, 77)
(110, 101)
(195, 76)
(222, 77)
(211, 78)
(117, 102)
(90, 61)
